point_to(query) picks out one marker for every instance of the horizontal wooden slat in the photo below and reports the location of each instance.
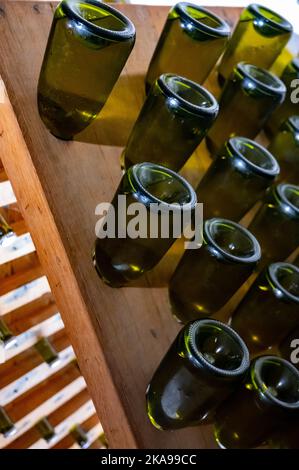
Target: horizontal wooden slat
(16, 280)
(24, 295)
(17, 266)
(62, 429)
(23, 245)
(42, 400)
(7, 196)
(28, 369)
(86, 425)
(58, 416)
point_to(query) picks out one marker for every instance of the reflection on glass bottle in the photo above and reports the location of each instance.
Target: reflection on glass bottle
(268, 396)
(237, 179)
(289, 347)
(80, 436)
(276, 225)
(190, 44)
(205, 279)
(285, 147)
(88, 46)
(48, 352)
(46, 429)
(258, 38)
(7, 338)
(270, 309)
(7, 427)
(290, 106)
(162, 194)
(249, 97)
(184, 110)
(7, 235)
(205, 363)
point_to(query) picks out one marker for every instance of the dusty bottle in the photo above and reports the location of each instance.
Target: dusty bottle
(206, 278)
(190, 44)
(285, 147)
(47, 351)
(270, 309)
(46, 429)
(88, 46)
(250, 96)
(276, 225)
(290, 106)
(266, 398)
(7, 427)
(184, 110)
(205, 363)
(258, 38)
(241, 172)
(129, 247)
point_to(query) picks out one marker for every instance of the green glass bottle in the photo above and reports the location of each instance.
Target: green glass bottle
(184, 110)
(270, 309)
(241, 172)
(202, 367)
(276, 225)
(47, 351)
(289, 347)
(7, 338)
(285, 147)
(7, 427)
(80, 436)
(290, 106)
(7, 235)
(88, 46)
(249, 97)
(266, 398)
(190, 44)
(258, 38)
(45, 428)
(159, 195)
(205, 279)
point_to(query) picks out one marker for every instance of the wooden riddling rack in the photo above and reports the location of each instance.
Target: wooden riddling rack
(119, 335)
(29, 388)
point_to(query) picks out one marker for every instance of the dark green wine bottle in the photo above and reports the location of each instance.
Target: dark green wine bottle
(203, 366)
(270, 309)
(80, 436)
(47, 351)
(7, 338)
(205, 279)
(249, 97)
(290, 106)
(7, 235)
(285, 147)
(88, 46)
(241, 173)
(190, 44)
(287, 435)
(267, 397)
(276, 225)
(45, 429)
(258, 38)
(184, 110)
(161, 194)
(7, 427)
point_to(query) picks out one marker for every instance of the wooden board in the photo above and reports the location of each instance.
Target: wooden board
(119, 335)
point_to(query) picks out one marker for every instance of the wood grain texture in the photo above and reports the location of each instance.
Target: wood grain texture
(119, 336)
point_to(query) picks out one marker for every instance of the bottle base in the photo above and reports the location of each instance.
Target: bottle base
(110, 283)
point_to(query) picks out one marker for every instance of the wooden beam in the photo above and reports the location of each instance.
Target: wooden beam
(23, 245)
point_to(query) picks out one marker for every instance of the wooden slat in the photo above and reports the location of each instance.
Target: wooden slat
(87, 425)
(24, 295)
(23, 245)
(20, 278)
(16, 266)
(28, 369)
(7, 196)
(57, 417)
(119, 335)
(42, 400)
